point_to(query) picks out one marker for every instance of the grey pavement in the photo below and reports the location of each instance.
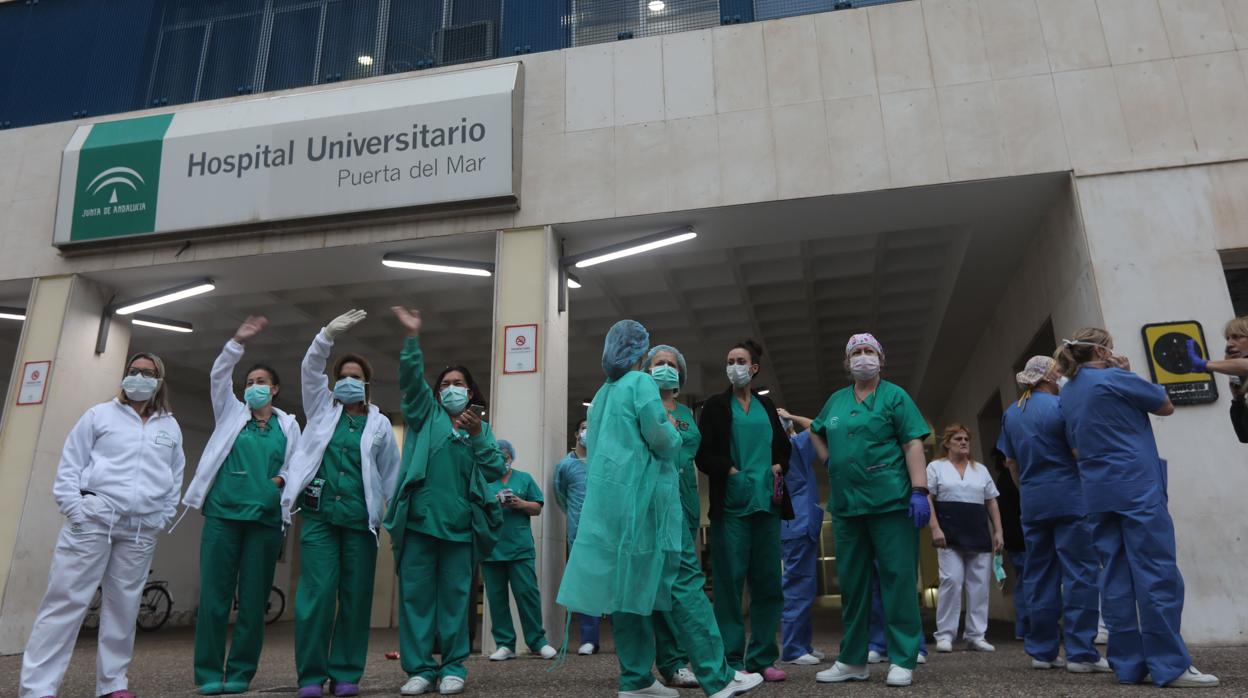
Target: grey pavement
(162, 667)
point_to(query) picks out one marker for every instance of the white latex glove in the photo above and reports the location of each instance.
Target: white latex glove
(344, 322)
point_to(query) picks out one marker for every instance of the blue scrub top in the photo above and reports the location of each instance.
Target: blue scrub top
(570, 480)
(803, 490)
(1106, 412)
(1035, 436)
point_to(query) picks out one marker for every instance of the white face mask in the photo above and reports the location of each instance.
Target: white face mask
(1062, 381)
(739, 375)
(864, 367)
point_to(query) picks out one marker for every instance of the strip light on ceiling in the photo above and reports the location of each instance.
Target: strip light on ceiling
(437, 264)
(171, 295)
(634, 247)
(12, 313)
(163, 324)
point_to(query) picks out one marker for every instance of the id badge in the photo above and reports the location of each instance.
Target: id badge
(312, 494)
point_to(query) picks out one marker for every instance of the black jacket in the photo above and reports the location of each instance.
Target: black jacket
(715, 454)
(1239, 420)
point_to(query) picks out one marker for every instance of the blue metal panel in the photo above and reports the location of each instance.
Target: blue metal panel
(534, 26)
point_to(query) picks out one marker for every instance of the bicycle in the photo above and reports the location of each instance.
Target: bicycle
(155, 606)
(274, 607)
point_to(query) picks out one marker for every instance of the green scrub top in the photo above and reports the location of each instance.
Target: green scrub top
(341, 477)
(243, 489)
(690, 439)
(866, 464)
(440, 508)
(749, 491)
(515, 539)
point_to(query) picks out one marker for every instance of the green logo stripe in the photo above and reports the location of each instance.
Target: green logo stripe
(118, 178)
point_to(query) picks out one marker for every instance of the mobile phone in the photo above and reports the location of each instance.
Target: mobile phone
(478, 410)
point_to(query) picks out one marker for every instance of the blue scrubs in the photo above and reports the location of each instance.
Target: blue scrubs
(877, 641)
(800, 541)
(1061, 567)
(1124, 489)
(570, 479)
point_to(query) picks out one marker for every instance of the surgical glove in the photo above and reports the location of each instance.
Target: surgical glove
(344, 322)
(920, 510)
(1199, 364)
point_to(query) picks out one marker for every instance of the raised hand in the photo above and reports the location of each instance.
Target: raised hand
(410, 318)
(251, 327)
(344, 322)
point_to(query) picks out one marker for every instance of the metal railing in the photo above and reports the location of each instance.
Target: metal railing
(68, 59)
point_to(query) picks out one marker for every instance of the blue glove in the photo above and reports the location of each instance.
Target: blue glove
(920, 510)
(1199, 365)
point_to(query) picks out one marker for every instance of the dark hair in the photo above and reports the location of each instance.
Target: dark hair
(268, 369)
(754, 348)
(477, 398)
(580, 422)
(364, 365)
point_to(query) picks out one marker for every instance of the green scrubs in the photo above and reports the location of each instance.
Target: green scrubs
(512, 563)
(870, 497)
(337, 563)
(238, 551)
(669, 658)
(745, 545)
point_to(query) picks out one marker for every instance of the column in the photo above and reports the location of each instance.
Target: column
(62, 319)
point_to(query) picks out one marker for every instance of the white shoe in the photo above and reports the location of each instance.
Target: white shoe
(1102, 638)
(450, 685)
(741, 683)
(944, 646)
(415, 686)
(818, 655)
(1100, 666)
(1057, 663)
(874, 657)
(922, 659)
(656, 690)
(843, 672)
(548, 652)
(1192, 678)
(586, 649)
(899, 676)
(804, 660)
(979, 645)
(683, 678)
(502, 655)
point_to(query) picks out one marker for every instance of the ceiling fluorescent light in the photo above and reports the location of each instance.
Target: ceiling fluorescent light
(12, 313)
(765, 391)
(176, 293)
(573, 282)
(438, 264)
(162, 324)
(638, 246)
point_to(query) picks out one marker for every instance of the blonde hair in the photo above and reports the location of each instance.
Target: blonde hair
(1237, 326)
(951, 431)
(1080, 349)
(159, 401)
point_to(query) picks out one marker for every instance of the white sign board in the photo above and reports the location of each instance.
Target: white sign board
(520, 349)
(34, 382)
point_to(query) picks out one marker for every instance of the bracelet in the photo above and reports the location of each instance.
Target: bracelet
(921, 490)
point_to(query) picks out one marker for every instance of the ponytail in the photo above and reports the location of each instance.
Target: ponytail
(1080, 349)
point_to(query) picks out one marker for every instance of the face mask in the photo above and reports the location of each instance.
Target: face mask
(580, 437)
(864, 367)
(454, 399)
(1062, 381)
(739, 375)
(349, 391)
(667, 377)
(139, 388)
(257, 396)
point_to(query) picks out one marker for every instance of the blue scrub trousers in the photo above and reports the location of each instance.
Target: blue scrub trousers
(800, 573)
(877, 642)
(1061, 585)
(1021, 621)
(1141, 576)
(589, 629)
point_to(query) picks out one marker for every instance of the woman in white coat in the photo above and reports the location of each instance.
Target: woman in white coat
(342, 474)
(238, 486)
(117, 485)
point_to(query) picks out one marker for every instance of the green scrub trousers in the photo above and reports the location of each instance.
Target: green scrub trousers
(435, 581)
(692, 618)
(892, 539)
(521, 575)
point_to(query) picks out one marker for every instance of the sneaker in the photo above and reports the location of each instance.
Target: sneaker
(212, 688)
(344, 688)
(683, 678)
(587, 649)
(899, 676)
(1100, 666)
(548, 652)
(773, 675)
(502, 654)
(310, 691)
(804, 660)
(235, 687)
(1102, 638)
(450, 685)
(944, 646)
(123, 693)
(415, 686)
(818, 655)
(843, 672)
(656, 690)
(874, 657)
(922, 659)
(979, 645)
(741, 683)
(1057, 663)
(1192, 678)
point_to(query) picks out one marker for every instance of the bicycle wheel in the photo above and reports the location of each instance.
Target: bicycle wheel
(154, 608)
(275, 606)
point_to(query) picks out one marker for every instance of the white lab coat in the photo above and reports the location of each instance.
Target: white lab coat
(231, 416)
(379, 455)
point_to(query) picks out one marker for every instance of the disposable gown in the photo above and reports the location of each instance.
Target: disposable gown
(628, 545)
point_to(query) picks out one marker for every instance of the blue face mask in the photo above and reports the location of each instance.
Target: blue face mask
(349, 391)
(667, 377)
(257, 396)
(454, 399)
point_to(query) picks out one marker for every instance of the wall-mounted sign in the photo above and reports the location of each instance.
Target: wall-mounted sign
(427, 141)
(520, 349)
(1169, 365)
(34, 382)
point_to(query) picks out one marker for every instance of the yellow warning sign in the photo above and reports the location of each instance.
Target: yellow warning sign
(1169, 363)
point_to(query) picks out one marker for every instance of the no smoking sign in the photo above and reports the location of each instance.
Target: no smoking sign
(520, 349)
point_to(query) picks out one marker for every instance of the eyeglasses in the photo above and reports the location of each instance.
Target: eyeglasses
(145, 372)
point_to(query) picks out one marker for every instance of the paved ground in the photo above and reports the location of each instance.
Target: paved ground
(162, 667)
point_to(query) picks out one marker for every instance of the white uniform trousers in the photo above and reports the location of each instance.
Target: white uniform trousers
(85, 558)
(958, 570)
